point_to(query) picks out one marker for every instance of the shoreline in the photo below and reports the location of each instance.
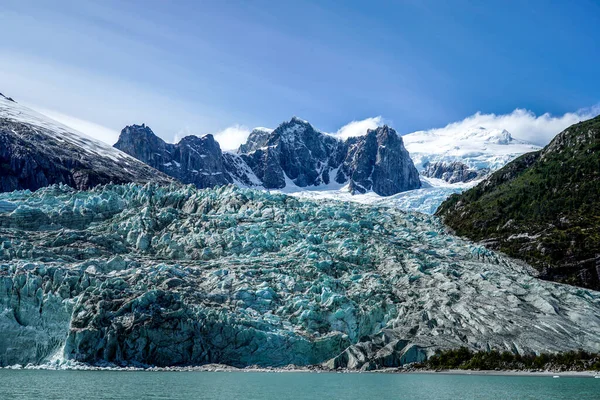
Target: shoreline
(308, 369)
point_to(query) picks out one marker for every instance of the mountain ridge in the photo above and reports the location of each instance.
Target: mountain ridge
(293, 154)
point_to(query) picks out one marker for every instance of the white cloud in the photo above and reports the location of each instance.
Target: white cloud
(231, 138)
(96, 131)
(522, 124)
(359, 128)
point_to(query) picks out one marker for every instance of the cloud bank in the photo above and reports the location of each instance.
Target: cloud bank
(522, 124)
(359, 128)
(231, 138)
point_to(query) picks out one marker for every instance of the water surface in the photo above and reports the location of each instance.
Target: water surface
(67, 385)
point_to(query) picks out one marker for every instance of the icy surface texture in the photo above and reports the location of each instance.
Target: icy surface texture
(425, 200)
(174, 276)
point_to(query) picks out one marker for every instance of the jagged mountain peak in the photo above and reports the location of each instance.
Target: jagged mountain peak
(294, 127)
(208, 138)
(385, 132)
(299, 120)
(293, 155)
(138, 131)
(195, 160)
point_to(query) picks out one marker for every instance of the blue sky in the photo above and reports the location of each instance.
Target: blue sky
(207, 66)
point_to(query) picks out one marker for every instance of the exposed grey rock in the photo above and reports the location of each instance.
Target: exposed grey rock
(296, 150)
(378, 161)
(36, 151)
(453, 172)
(258, 138)
(293, 153)
(195, 160)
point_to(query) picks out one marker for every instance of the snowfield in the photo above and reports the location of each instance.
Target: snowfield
(478, 147)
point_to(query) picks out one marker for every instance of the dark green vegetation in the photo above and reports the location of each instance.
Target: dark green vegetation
(543, 207)
(463, 358)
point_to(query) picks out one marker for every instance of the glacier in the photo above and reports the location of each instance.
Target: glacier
(148, 275)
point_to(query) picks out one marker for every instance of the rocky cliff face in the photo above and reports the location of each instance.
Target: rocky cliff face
(294, 154)
(36, 151)
(150, 275)
(378, 161)
(194, 160)
(453, 172)
(543, 207)
(295, 150)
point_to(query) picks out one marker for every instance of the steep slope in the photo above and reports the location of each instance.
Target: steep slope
(195, 160)
(379, 162)
(543, 207)
(294, 155)
(296, 151)
(176, 276)
(36, 151)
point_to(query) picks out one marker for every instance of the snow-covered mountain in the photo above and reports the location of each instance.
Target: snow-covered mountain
(292, 156)
(375, 168)
(415, 172)
(36, 151)
(448, 163)
(478, 149)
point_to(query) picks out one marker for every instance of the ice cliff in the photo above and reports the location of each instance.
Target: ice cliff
(150, 275)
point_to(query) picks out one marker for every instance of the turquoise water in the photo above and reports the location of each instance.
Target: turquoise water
(67, 385)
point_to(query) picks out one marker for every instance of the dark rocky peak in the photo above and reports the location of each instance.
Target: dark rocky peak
(206, 142)
(140, 142)
(295, 129)
(384, 134)
(378, 161)
(139, 133)
(294, 149)
(195, 160)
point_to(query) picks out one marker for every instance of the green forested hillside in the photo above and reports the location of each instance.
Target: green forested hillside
(543, 207)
